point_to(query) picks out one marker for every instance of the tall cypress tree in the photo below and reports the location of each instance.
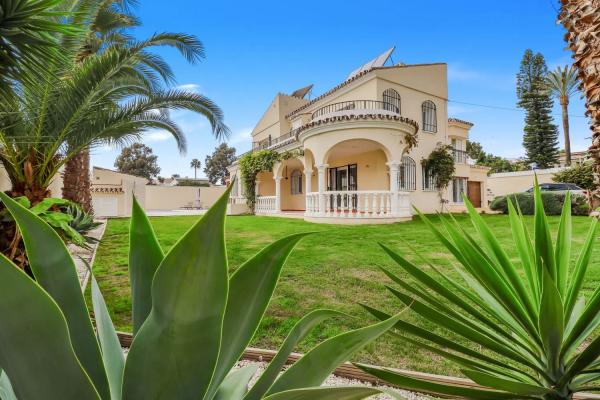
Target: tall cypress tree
(540, 134)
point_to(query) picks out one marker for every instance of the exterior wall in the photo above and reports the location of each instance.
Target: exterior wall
(55, 187)
(175, 197)
(372, 171)
(504, 183)
(266, 187)
(4, 181)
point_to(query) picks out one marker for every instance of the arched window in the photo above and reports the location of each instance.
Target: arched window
(296, 182)
(407, 176)
(391, 100)
(429, 116)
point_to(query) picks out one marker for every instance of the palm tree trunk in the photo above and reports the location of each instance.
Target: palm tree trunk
(582, 22)
(565, 120)
(76, 181)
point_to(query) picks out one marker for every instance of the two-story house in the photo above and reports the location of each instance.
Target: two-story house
(354, 163)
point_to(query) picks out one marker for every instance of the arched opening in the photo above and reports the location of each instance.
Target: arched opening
(429, 116)
(407, 175)
(357, 164)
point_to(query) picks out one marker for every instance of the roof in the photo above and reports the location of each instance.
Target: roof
(460, 121)
(117, 172)
(352, 79)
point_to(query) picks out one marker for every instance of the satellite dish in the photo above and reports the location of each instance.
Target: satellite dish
(378, 61)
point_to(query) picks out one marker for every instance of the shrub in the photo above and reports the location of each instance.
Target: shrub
(553, 203)
(526, 330)
(580, 174)
(191, 322)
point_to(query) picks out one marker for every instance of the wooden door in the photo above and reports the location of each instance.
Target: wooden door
(474, 193)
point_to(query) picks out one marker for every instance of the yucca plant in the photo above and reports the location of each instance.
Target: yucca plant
(530, 316)
(191, 322)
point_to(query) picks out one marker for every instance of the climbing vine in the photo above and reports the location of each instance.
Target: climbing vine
(440, 164)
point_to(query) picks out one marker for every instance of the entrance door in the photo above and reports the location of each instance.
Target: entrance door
(343, 179)
(474, 193)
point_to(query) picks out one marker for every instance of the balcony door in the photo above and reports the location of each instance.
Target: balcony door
(343, 179)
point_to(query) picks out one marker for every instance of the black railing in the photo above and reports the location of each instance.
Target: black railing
(270, 142)
(460, 156)
(358, 105)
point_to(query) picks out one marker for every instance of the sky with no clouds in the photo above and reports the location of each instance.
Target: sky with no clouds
(257, 49)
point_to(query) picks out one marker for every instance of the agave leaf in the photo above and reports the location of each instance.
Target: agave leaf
(583, 260)
(112, 353)
(440, 340)
(582, 361)
(551, 322)
(543, 241)
(407, 382)
(325, 393)
(506, 385)
(145, 255)
(504, 262)
(525, 249)
(316, 365)
(34, 341)
(6, 390)
(235, 385)
(585, 324)
(562, 252)
(298, 332)
(55, 271)
(177, 347)
(250, 290)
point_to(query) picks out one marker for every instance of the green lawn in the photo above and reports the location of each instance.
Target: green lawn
(335, 268)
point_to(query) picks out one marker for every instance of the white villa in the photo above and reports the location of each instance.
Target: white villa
(354, 163)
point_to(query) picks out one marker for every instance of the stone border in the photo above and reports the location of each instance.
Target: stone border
(81, 255)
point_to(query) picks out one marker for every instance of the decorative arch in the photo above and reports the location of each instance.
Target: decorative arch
(392, 98)
(380, 145)
(429, 114)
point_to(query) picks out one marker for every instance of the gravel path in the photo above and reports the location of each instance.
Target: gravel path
(337, 381)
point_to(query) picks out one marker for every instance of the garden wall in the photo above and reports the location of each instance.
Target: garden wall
(176, 197)
(504, 183)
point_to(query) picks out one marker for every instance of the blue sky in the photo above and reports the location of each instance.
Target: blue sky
(256, 49)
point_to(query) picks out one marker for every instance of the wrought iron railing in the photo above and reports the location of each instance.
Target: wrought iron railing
(358, 105)
(270, 143)
(460, 156)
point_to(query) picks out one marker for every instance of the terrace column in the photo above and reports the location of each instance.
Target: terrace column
(394, 169)
(322, 169)
(308, 206)
(257, 188)
(277, 194)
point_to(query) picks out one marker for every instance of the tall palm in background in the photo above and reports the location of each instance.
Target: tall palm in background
(582, 22)
(563, 83)
(108, 98)
(196, 165)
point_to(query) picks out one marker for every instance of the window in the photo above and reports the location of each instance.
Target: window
(391, 100)
(459, 186)
(428, 179)
(407, 176)
(296, 182)
(429, 116)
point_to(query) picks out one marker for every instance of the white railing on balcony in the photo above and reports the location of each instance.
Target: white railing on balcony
(358, 204)
(266, 204)
(237, 200)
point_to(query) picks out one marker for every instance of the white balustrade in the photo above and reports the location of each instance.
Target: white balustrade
(237, 200)
(266, 204)
(358, 204)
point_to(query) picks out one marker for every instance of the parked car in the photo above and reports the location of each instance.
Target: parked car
(559, 187)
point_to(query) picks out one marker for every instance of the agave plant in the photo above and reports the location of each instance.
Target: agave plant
(530, 316)
(191, 322)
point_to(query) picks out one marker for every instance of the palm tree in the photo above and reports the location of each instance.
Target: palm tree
(582, 22)
(109, 98)
(27, 29)
(563, 83)
(196, 165)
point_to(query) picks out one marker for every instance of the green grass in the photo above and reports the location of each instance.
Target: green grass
(337, 268)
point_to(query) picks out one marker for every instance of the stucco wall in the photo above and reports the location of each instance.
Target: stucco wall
(504, 183)
(55, 187)
(175, 197)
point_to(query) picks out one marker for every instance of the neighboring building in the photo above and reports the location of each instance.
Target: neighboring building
(577, 157)
(112, 192)
(354, 164)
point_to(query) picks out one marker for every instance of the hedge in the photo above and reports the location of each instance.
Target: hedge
(553, 203)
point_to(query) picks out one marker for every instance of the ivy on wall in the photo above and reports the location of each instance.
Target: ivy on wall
(251, 164)
(440, 164)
